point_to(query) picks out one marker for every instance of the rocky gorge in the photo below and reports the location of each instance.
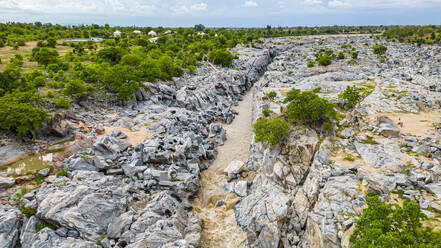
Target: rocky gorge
(136, 178)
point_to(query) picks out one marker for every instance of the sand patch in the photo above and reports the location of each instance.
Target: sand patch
(416, 124)
(133, 137)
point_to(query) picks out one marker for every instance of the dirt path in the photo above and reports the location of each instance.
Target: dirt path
(220, 227)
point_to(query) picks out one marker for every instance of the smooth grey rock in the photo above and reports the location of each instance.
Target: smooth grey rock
(6, 182)
(240, 188)
(235, 167)
(10, 224)
(44, 172)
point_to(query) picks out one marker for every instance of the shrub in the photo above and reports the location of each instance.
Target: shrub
(352, 95)
(45, 56)
(310, 64)
(20, 111)
(61, 173)
(324, 60)
(62, 102)
(354, 55)
(340, 55)
(28, 211)
(271, 130)
(52, 68)
(385, 226)
(50, 94)
(379, 49)
(77, 89)
(266, 112)
(307, 107)
(271, 95)
(17, 60)
(222, 57)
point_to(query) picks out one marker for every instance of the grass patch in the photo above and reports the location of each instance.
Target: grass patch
(370, 141)
(43, 225)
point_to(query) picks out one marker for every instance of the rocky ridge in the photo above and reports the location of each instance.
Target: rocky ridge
(119, 195)
(310, 190)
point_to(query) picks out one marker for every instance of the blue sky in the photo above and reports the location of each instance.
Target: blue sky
(226, 13)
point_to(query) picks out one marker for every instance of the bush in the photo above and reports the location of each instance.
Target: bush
(222, 57)
(45, 56)
(354, 55)
(77, 89)
(385, 226)
(62, 102)
(271, 130)
(307, 107)
(310, 64)
(28, 211)
(379, 49)
(352, 94)
(324, 60)
(271, 95)
(266, 112)
(341, 55)
(20, 111)
(61, 173)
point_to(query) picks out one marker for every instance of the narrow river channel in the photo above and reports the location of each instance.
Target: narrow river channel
(220, 227)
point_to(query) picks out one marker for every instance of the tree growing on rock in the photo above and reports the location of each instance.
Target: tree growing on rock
(379, 50)
(384, 225)
(307, 107)
(352, 95)
(271, 130)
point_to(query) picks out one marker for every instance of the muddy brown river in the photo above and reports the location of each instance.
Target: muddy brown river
(220, 227)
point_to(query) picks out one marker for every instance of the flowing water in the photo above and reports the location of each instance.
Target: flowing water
(220, 227)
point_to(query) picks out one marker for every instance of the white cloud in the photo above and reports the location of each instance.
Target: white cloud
(250, 4)
(336, 3)
(199, 6)
(312, 2)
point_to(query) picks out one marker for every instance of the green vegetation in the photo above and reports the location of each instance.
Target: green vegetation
(21, 112)
(352, 95)
(271, 95)
(62, 102)
(349, 158)
(379, 50)
(43, 225)
(271, 130)
(266, 112)
(115, 67)
(369, 140)
(28, 211)
(61, 173)
(386, 225)
(324, 60)
(414, 34)
(308, 108)
(310, 63)
(341, 55)
(354, 55)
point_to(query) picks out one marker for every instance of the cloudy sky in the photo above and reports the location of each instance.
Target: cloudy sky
(226, 13)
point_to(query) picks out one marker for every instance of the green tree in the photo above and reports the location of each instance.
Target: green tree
(341, 55)
(307, 107)
(352, 95)
(324, 60)
(310, 63)
(379, 49)
(45, 56)
(385, 226)
(21, 112)
(271, 130)
(222, 57)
